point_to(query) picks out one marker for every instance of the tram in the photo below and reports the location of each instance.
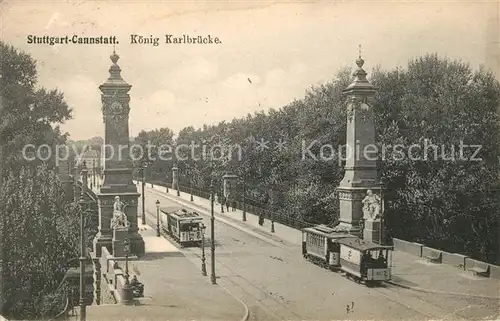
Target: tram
(319, 245)
(360, 260)
(182, 225)
(365, 261)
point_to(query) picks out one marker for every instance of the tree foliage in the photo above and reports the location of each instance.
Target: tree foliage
(40, 237)
(38, 228)
(445, 201)
(29, 115)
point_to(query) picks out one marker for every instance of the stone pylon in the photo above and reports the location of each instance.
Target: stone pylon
(361, 159)
(117, 162)
(175, 177)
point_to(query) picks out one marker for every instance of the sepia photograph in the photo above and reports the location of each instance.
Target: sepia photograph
(248, 160)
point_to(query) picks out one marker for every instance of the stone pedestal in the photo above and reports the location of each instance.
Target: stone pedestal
(351, 208)
(105, 235)
(175, 177)
(371, 232)
(230, 182)
(119, 236)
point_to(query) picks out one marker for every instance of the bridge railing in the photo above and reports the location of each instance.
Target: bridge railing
(238, 204)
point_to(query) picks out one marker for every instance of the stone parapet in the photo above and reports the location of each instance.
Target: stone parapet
(459, 260)
(408, 247)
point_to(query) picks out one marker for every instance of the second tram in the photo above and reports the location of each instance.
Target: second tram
(182, 225)
(361, 260)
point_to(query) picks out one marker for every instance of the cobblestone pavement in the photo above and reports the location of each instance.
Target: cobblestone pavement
(106, 296)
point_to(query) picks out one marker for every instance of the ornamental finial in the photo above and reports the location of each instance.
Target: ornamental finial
(114, 57)
(360, 62)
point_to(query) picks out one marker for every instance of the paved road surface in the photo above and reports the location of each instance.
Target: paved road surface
(272, 278)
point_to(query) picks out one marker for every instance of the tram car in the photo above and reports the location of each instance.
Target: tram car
(182, 225)
(365, 261)
(320, 245)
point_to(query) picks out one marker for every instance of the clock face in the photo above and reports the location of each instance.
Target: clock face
(116, 107)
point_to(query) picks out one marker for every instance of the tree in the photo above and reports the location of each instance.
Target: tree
(443, 103)
(40, 237)
(429, 200)
(154, 148)
(30, 115)
(33, 212)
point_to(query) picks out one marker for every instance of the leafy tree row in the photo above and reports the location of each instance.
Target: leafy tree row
(39, 229)
(450, 201)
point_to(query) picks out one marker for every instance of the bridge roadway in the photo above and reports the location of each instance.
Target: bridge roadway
(270, 275)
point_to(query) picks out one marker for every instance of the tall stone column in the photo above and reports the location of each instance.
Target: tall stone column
(361, 159)
(117, 162)
(85, 176)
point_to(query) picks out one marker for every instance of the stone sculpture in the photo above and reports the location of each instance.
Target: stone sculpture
(119, 220)
(371, 206)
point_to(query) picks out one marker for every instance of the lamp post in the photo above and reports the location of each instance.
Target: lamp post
(93, 172)
(158, 218)
(381, 239)
(83, 312)
(126, 250)
(222, 198)
(178, 184)
(212, 237)
(191, 188)
(143, 216)
(203, 265)
(244, 200)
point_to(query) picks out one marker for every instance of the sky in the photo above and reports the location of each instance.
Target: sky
(284, 48)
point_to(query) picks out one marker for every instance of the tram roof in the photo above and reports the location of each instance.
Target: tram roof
(362, 245)
(327, 231)
(187, 215)
(170, 209)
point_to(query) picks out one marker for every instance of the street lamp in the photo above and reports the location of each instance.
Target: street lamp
(93, 172)
(222, 198)
(126, 250)
(381, 240)
(203, 265)
(178, 184)
(83, 312)
(244, 200)
(158, 218)
(212, 232)
(143, 217)
(191, 188)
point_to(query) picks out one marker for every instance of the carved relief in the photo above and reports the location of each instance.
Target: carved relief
(345, 195)
(132, 202)
(361, 105)
(115, 106)
(106, 202)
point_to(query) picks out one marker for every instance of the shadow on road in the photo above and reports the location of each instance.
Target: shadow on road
(160, 255)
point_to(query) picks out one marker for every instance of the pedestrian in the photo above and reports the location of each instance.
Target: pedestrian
(227, 202)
